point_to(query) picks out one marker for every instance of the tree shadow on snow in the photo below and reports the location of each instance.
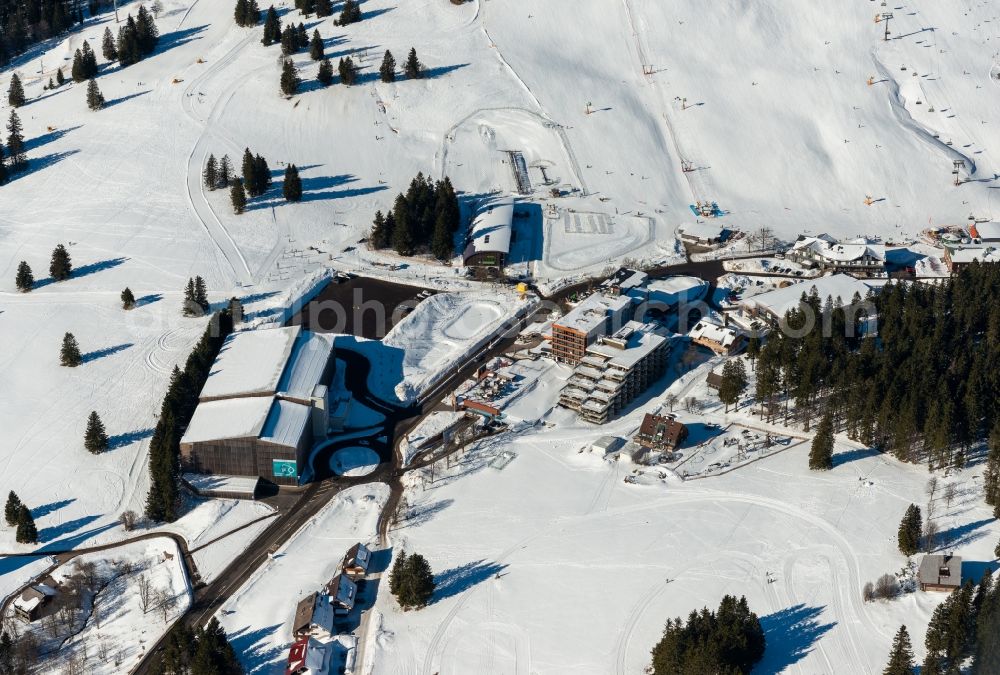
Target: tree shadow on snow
(85, 270)
(791, 634)
(961, 535)
(112, 103)
(48, 534)
(854, 455)
(106, 351)
(375, 12)
(148, 299)
(252, 649)
(459, 579)
(315, 189)
(46, 138)
(51, 507)
(36, 164)
(421, 514)
(178, 38)
(128, 438)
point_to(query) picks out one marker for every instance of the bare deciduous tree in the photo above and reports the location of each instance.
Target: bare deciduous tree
(931, 531)
(886, 587)
(128, 520)
(932, 487)
(103, 651)
(868, 592)
(671, 401)
(145, 589)
(164, 601)
(949, 493)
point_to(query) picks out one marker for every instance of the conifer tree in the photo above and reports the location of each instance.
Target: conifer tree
(413, 68)
(350, 13)
(734, 381)
(15, 143)
(901, 657)
(303, 36)
(146, 31)
(261, 175)
(77, 70)
(129, 51)
(441, 242)
(291, 189)
(96, 438)
(753, 350)
(324, 8)
(240, 13)
(225, 172)
(290, 80)
(411, 581)
(95, 99)
(191, 306)
(380, 233)
(69, 355)
(821, 452)
(128, 299)
(348, 73)
(15, 92)
(402, 234)
(210, 175)
(61, 266)
(325, 73)
(3, 166)
(289, 40)
(89, 61)
(316, 47)
(60, 78)
(108, 48)
(272, 27)
(12, 508)
(910, 530)
(991, 474)
(238, 196)
(247, 13)
(26, 531)
(24, 280)
(395, 574)
(248, 169)
(387, 71)
(201, 293)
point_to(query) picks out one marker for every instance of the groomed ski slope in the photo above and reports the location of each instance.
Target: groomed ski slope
(773, 90)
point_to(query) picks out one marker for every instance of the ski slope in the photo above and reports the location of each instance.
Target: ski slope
(768, 100)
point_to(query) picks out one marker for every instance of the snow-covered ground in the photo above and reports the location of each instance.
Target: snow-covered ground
(258, 617)
(556, 565)
(119, 630)
(768, 101)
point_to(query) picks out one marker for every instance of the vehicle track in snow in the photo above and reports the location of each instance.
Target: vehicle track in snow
(224, 242)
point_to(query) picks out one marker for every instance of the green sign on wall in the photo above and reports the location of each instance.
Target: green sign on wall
(284, 468)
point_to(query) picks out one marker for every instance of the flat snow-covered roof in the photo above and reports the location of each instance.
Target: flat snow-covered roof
(251, 362)
(702, 230)
(988, 231)
(592, 312)
(228, 418)
(307, 361)
(285, 424)
(778, 302)
(981, 253)
(491, 228)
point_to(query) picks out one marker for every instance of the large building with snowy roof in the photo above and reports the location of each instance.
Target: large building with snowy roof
(264, 404)
(772, 306)
(853, 256)
(490, 237)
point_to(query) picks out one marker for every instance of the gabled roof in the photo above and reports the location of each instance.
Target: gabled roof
(706, 330)
(941, 570)
(662, 429)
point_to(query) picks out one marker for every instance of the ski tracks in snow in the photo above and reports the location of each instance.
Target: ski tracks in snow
(224, 242)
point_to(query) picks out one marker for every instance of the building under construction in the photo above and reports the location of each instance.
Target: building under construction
(614, 371)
